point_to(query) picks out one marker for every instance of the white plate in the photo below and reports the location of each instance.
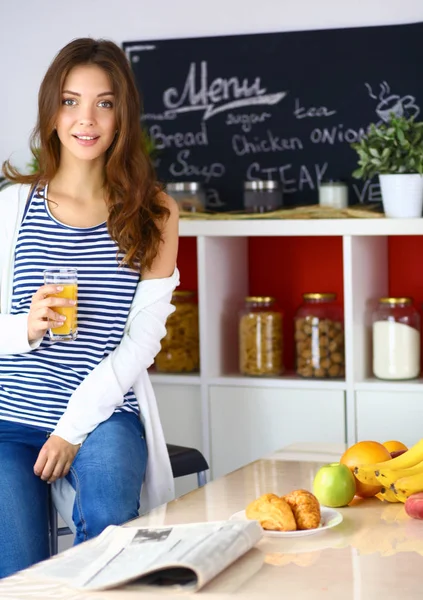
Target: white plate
(329, 518)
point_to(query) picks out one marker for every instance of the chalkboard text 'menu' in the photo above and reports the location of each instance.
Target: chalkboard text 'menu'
(231, 90)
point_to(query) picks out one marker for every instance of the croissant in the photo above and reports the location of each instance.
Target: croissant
(272, 512)
(306, 508)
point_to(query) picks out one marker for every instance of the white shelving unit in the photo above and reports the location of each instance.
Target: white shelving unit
(234, 419)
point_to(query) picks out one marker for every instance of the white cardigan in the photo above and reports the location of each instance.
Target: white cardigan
(103, 389)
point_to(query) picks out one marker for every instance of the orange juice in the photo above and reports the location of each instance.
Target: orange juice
(70, 291)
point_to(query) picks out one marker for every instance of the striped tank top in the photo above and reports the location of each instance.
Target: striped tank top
(35, 387)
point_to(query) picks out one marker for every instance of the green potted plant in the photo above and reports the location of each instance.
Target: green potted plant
(394, 152)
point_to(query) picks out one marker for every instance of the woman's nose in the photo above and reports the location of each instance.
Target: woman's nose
(86, 121)
(86, 116)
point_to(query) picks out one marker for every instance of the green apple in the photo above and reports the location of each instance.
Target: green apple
(334, 485)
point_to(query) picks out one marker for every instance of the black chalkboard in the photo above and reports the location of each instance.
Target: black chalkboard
(284, 106)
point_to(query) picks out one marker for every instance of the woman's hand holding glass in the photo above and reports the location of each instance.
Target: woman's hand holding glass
(42, 316)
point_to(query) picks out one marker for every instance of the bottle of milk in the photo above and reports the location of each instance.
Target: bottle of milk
(396, 339)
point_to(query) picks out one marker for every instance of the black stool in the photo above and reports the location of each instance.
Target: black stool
(184, 461)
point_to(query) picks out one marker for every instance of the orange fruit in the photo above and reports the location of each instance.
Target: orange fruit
(394, 446)
(365, 453)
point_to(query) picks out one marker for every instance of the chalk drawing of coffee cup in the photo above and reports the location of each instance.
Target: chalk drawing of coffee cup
(400, 107)
(409, 107)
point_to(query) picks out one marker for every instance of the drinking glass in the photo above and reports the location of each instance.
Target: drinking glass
(68, 278)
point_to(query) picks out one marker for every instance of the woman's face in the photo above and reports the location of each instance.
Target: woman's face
(86, 124)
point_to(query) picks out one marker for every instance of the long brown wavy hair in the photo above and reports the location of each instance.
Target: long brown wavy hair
(132, 190)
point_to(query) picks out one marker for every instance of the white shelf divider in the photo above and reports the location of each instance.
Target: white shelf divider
(222, 286)
(369, 283)
(365, 262)
(222, 282)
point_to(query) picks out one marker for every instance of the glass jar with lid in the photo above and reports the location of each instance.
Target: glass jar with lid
(319, 336)
(262, 196)
(260, 337)
(396, 339)
(333, 193)
(180, 351)
(189, 195)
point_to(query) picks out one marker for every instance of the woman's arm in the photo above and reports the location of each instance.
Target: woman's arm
(14, 335)
(103, 389)
(164, 263)
(13, 328)
(23, 332)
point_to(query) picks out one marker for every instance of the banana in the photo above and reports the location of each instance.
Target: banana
(393, 494)
(404, 487)
(387, 476)
(367, 473)
(387, 494)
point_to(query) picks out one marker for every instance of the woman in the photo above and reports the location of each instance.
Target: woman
(81, 414)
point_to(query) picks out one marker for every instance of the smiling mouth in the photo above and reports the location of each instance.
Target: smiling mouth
(86, 138)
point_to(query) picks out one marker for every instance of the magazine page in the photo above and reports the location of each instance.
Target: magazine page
(182, 556)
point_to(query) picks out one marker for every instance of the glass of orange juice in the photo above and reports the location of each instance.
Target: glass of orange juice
(68, 278)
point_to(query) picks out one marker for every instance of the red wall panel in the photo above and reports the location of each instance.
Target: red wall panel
(406, 270)
(187, 263)
(287, 267)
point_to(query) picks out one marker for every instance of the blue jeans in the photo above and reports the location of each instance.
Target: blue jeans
(107, 474)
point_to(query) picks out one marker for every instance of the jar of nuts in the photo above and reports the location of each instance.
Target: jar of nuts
(319, 337)
(260, 337)
(180, 352)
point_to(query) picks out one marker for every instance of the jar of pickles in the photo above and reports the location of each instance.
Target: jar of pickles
(180, 351)
(260, 337)
(319, 337)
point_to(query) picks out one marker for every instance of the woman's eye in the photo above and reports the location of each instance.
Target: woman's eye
(68, 102)
(106, 104)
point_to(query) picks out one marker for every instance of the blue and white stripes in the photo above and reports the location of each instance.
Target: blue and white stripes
(36, 386)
